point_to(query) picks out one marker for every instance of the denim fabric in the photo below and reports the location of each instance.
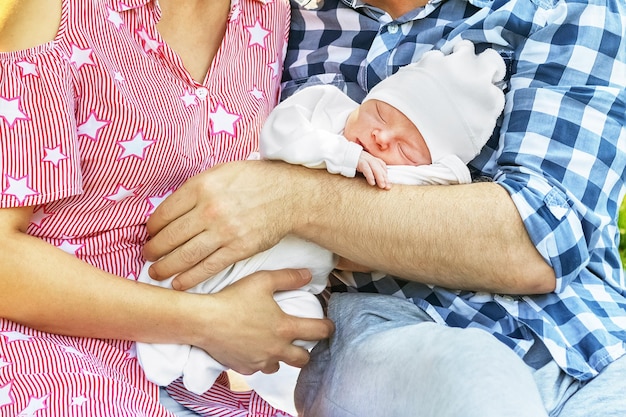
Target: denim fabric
(388, 358)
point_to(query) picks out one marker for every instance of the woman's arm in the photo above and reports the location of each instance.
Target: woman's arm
(460, 236)
(50, 290)
(53, 291)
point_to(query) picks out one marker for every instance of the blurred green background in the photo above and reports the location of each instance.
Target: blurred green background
(622, 230)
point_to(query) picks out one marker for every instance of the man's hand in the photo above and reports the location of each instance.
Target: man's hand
(249, 332)
(374, 170)
(221, 216)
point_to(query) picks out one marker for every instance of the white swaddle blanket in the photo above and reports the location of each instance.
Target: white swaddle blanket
(163, 363)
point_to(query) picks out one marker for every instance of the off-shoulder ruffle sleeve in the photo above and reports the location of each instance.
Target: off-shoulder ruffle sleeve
(39, 160)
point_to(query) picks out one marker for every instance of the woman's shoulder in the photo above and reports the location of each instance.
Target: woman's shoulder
(28, 23)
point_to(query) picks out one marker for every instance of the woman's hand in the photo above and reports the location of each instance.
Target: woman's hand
(249, 332)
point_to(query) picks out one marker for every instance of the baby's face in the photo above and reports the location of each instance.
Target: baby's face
(385, 132)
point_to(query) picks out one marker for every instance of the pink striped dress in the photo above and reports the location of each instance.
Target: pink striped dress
(96, 128)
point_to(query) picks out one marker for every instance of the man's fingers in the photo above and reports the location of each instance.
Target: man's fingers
(176, 235)
(186, 258)
(170, 209)
(170, 225)
(204, 269)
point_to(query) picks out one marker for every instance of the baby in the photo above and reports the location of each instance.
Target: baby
(421, 125)
(426, 121)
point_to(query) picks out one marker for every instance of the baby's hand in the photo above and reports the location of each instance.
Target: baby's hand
(374, 170)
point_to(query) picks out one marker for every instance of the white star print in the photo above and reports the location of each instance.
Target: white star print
(123, 6)
(73, 351)
(256, 93)
(150, 44)
(155, 201)
(115, 18)
(188, 98)
(28, 68)
(275, 67)
(131, 353)
(3, 363)
(39, 215)
(132, 276)
(235, 11)
(34, 404)
(10, 110)
(257, 34)
(81, 57)
(6, 397)
(70, 248)
(223, 121)
(89, 373)
(117, 76)
(121, 193)
(91, 127)
(18, 187)
(54, 155)
(79, 401)
(16, 336)
(135, 147)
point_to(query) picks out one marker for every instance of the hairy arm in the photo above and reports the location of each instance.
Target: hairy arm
(458, 236)
(418, 233)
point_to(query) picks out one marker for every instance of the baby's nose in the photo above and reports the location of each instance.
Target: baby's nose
(381, 138)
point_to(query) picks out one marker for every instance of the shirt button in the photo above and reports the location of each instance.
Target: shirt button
(202, 93)
(392, 29)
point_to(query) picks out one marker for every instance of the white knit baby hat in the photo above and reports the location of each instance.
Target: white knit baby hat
(452, 99)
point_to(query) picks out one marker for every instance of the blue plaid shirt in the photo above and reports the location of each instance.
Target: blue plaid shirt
(560, 151)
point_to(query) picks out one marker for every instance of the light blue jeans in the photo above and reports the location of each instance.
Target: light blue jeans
(387, 358)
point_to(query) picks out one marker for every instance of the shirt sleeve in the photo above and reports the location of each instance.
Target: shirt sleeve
(563, 144)
(39, 160)
(306, 129)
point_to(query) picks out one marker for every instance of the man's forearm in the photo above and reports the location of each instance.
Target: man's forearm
(460, 237)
